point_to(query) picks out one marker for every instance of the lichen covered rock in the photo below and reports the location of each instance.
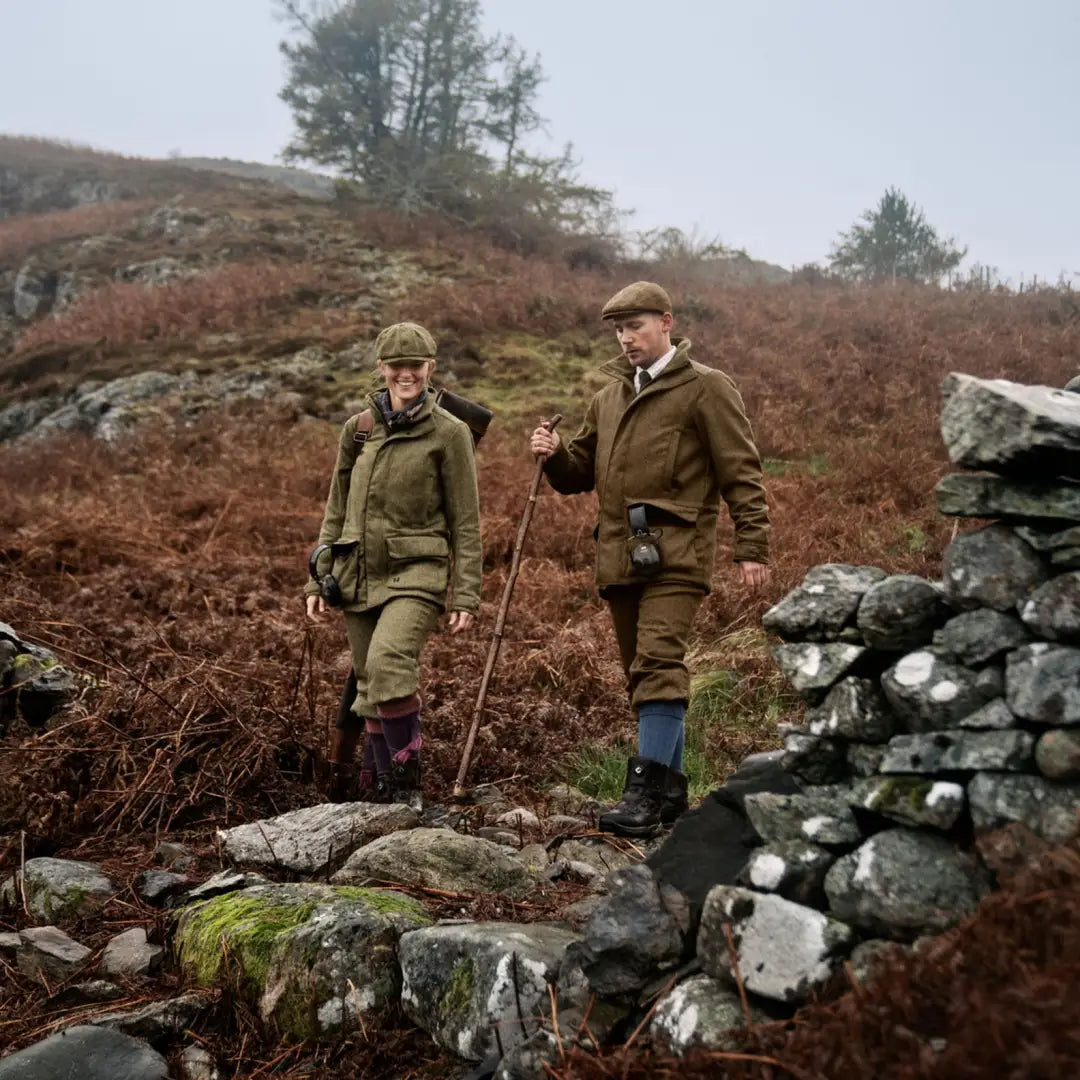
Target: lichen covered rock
(901, 883)
(462, 983)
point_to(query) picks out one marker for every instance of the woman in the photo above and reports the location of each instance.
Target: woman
(403, 524)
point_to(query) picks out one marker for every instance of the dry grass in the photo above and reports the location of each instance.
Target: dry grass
(121, 314)
(25, 233)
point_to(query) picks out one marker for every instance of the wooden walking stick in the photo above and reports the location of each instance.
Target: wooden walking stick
(460, 790)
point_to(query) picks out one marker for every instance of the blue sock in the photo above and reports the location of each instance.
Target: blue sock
(660, 730)
(680, 745)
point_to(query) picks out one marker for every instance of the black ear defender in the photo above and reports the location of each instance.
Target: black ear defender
(329, 588)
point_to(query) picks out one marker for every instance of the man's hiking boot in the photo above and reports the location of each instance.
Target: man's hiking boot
(405, 784)
(676, 797)
(638, 812)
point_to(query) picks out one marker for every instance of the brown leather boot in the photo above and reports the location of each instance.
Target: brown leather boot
(343, 746)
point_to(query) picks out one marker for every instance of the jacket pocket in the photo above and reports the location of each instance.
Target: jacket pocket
(418, 561)
(676, 524)
(345, 567)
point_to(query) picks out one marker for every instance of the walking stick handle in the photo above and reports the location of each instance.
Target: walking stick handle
(460, 789)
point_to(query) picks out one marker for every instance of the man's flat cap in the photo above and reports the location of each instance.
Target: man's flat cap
(1073, 384)
(641, 296)
(404, 341)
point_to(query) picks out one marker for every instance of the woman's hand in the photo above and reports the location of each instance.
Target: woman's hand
(461, 621)
(316, 606)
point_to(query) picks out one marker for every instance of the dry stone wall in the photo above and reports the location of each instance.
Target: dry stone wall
(938, 710)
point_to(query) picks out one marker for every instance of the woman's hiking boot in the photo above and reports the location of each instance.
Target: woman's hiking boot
(638, 811)
(405, 784)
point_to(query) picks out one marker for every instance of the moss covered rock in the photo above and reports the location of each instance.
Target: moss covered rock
(308, 956)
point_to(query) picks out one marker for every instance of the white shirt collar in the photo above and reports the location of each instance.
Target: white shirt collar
(654, 368)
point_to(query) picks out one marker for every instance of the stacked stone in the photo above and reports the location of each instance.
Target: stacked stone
(937, 710)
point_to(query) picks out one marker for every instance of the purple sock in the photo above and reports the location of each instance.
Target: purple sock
(376, 743)
(403, 736)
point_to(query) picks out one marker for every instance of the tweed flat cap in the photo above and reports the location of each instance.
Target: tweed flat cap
(404, 341)
(1073, 384)
(641, 296)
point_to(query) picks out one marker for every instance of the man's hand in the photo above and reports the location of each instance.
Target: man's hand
(316, 607)
(544, 443)
(461, 621)
(754, 574)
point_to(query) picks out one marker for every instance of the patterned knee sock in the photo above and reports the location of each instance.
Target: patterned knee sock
(401, 725)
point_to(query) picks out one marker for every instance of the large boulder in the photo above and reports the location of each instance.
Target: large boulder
(902, 882)
(928, 693)
(901, 613)
(962, 495)
(991, 568)
(1053, 610)
(86, 1052)
(784, 950)
(439, 859)
(823, 605)
(59, 888)
(1042, 683)
(1051, 810)
(313, 838)
(311, 956)
(462, 983)
(1012, 428)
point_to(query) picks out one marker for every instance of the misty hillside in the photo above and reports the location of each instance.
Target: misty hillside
(177, 349)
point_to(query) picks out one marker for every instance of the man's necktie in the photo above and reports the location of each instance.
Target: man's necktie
(644, 378)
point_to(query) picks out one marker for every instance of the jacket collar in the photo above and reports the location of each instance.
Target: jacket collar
(621, 368)
(418, 424)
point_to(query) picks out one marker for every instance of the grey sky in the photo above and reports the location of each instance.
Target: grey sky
(772, 123)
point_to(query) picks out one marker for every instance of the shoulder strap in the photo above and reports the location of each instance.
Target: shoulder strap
(365, 425)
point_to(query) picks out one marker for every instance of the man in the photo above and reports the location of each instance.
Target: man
(663, 442)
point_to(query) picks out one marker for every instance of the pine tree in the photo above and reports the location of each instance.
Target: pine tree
(893, 241)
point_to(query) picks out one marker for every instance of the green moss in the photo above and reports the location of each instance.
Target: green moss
(247, 926)
(899, 793)
(459, 993)
(385, 902)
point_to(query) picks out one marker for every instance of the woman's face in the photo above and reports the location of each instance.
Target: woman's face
(406, 380)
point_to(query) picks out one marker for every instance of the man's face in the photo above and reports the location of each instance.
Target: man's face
(644, 337)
